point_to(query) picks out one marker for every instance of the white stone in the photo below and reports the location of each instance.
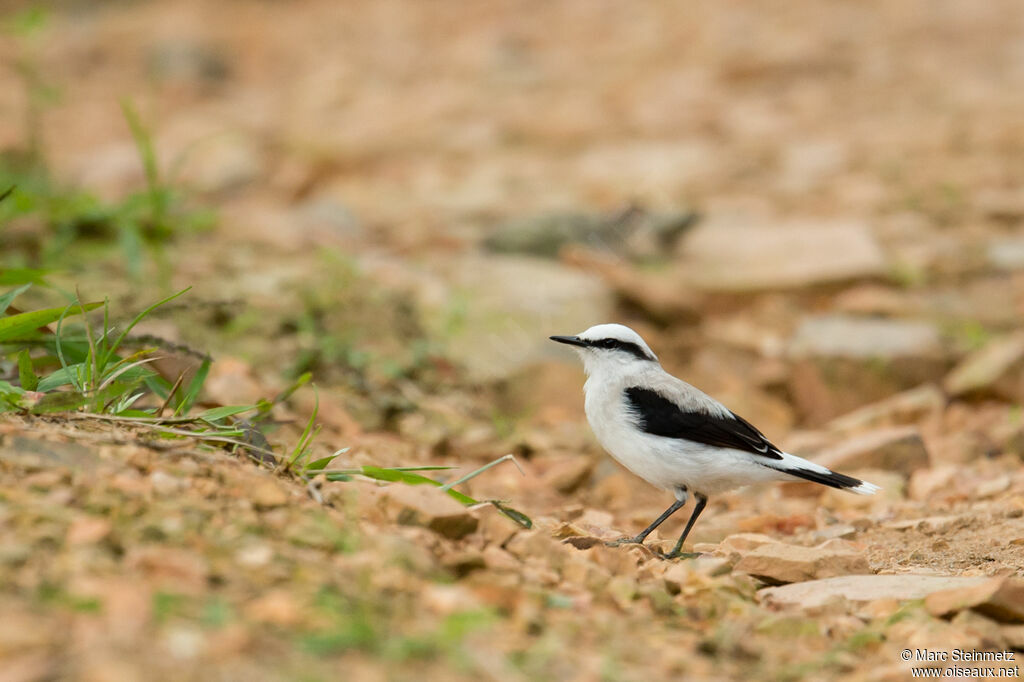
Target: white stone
(861, 589)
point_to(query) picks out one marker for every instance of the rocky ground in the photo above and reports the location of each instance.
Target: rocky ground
(812, 211)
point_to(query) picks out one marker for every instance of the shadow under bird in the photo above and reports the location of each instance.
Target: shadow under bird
(673, 435)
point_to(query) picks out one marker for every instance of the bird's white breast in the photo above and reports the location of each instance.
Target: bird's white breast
(618, 434)
(668, 463)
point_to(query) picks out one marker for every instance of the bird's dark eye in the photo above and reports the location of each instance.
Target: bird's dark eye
(609, 343)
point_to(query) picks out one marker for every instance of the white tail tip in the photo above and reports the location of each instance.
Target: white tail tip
(865, 488)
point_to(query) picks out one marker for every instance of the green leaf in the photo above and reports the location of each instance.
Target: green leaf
(6, 389)
(160, 386)
(16, 326)
(26, 375)
(6, 299)
(144, 143)
(267, 405)
(138, 318)
(410, 478)
(72, 376)
(300, 451)
(23, 276)
(194, 386)
(514, 514)
(320, 463)
(423, 468)
(61, 377)
(135, 413)
(404, 475)
(218, 413)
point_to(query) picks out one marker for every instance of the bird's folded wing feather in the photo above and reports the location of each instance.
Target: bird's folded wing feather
(659, 416)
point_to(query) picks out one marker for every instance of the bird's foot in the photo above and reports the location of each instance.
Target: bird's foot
(676, 554)
(625, 541)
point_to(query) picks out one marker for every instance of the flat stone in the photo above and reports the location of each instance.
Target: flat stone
(567, 474)
(862, 589)
(899, 449)
(736, 257)
(745, 542)
(781, 563)
(1000, 599)
(426, 506)
(851, 336)
(982, 370)
(839, 530)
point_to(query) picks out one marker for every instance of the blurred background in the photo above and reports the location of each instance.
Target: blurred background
(806, 208)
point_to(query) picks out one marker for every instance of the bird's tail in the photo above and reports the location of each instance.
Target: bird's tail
(809, 471)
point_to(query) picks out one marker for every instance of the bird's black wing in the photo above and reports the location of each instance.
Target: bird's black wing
(660, 416)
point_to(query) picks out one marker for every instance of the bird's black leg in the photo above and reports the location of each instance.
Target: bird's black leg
(639, 539)
(702, 500)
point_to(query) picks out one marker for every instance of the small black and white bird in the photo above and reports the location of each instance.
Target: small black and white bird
(674, 436)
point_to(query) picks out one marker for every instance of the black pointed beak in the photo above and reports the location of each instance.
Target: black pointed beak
(571, 340)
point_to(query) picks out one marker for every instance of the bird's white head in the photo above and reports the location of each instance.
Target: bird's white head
(609, 346)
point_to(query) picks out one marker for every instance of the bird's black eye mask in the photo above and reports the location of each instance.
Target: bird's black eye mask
(624, 346)
(607, 344)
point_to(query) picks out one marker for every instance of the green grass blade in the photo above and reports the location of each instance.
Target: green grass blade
(7, 389)
(144, 143)
(320, 464)
(472, 474)
(8, 298)
(218, 413)
(138, 318)
(92, 368)
(16, 326)
(285, 394)
(194, 387)
(410, 478)
(123, 369)
(60, 350)
(359, 470)
(23, 276)
(61, 377)
(26, 373)
(160, 386)
(307, 433)
(105, 338)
